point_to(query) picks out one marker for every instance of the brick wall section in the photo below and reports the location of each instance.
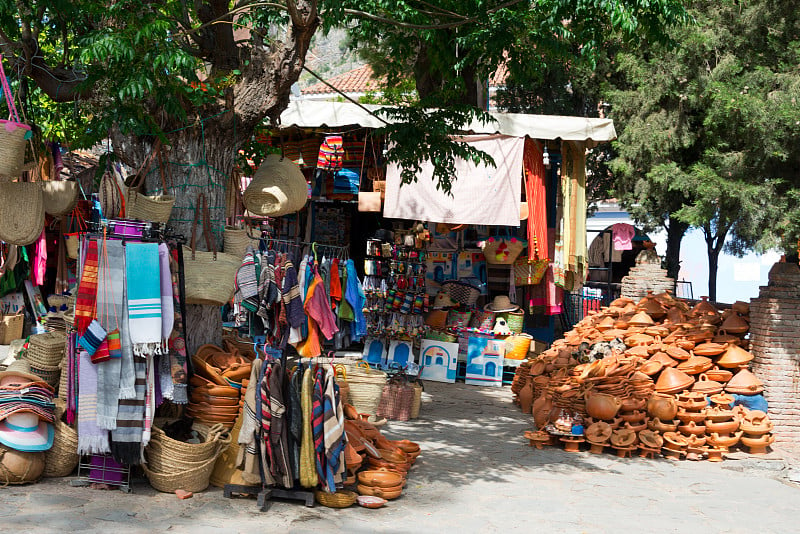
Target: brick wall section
(775, 336)
(646, 276)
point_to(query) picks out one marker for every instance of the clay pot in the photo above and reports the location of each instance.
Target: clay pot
(21, 467)
(663, 407)
(724, 337)
(656, 330)
(633, 417)
(623, 437)
(639, 351)
(691, 428)
(693, 406)
(651, 367)
(408, 447)
(740, 307)
(541, 408)
(659, 426)
(602, 405)
(675, 441)
(673, 381)
(384, 493)
(598, 432)
(695, 365)
(691, 417)
(717, 414)
(758, 445)
(734, 324)
(651, 439)
(685, 344)
(621, 302)
(744, 383)
(664, 359)
(719, 375)
(695, 441)
(703, 308)
(675, 315)
(722, 428)
(709, 349)
(752, 430)
(707, 386)
(727, 441)
(721, 399)
(641, 319)
(526, 397)
(639, 339)
(606, 324)
(734, 357)
(715, 453)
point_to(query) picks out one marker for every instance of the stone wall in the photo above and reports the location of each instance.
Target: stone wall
(646, 276)
(775, 336)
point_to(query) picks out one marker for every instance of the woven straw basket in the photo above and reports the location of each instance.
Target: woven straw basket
(12, 148)
(209, 277)
(156, 208)
(62, 458)
(46, 349)
(462, 293)
(59, 197)
(517, 346)
(366, 387)
(235, 241)
(417, 403)
(340, 499)
(194, 479)
(21, 212)
(278, 188)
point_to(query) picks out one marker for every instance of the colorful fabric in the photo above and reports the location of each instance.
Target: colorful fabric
(294, 415)
(126, 439)
(39, 265)
(92, 337)
(308, 473)
(247, 457)
(91, 438)
(318, 424)
(86, 299)
(354, 294)
(536, 196)
(333, 424)
(246, 282)
(144, 297)
(165, 283)
(72, 378)
(127, 373)
(150, 401)
(177, 344)
(114, 345)
(265, 416)
(623, 234)
(278, 432)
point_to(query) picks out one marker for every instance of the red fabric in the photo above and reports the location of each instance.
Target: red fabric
(336, 282)
(86, 300)
(537, 200)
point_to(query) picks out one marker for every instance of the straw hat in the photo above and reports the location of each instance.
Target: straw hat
(25, 431)
(501, 304)
(18, 372)
(278, 188)
(443, 300)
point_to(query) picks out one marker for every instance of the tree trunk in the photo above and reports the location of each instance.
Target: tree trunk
(714, 243)
(675, 232)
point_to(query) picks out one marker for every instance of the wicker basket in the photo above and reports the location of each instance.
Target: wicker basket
(341, 381)
(12, 148)
(21, 212)
(482, 319)
(366, 387)
(156, 208)
(194, 479)
(517, 346)
(62, 458)
(340, 499)
(63, 379)
(458, 318)
(417, 402)
(59, 196)
(235, 241)
(73, 242)
(461, 292)
(46, 350)
(515, 321)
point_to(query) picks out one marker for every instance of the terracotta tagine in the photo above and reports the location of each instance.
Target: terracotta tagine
(741, 307)
(641, 319)
(687, 417)
(724, 337)
(677, 353)
(734, 357)
(663, 407)
(723, 428)
(606, 324)
(651, 439)
(709, 348)
(724, 441)
(598, 432)
(623, 438)
(695, 365)
(602, 406)
(734, 324)
(744, 383)
(758, 445)
(572, 443)
(651, 367)
(640, 351)
(538, 439)
(719, 414)
(621, 302)
(703, 308)
(675, 315)
(719, 375)
(656, 331)
(692, 401)
(665, 426)
(674, 441)
(707, 386)
(715, 453)
(721, 399)
(673, 381)
(664, 359)
(639, 339)
(631, 404)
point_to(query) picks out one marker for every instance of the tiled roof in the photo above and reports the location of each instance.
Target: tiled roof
(358, 80)
(361, 80)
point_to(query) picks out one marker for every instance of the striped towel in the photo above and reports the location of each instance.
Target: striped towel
(86, 300)
(144, 297)
(91, 438)
(318, 425)
(126, 439)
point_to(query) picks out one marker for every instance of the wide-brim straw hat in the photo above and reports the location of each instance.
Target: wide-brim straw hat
(18, 372)
(278, 188)
(26, 432)
(501, 304)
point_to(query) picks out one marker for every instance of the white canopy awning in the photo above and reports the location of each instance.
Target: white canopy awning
(319, 114)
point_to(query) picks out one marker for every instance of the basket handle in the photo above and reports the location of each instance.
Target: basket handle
(202, 204)
(340, 369)
(145, 167)
(12, 109)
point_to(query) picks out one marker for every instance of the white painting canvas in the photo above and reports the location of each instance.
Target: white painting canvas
(438, 360)
(485, 361)
(374, 351)
(401, 353)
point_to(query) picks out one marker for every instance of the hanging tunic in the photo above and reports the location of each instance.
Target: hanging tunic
(321, 319)
(308, 473)
(333, 424)
(279, 431)
(318, 425)
(247, 458)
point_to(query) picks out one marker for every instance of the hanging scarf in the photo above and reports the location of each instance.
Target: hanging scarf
(127, 374)
(85, 301)
(354, 294)
(91, 438)
(308, 473)
(72, 378)
(165, 282)
(126, 439)
(110, 299)
(266, 421)
(333, 424)
(150, 401)
(295, 421)
(144, 297)
(247, 457)
(278, 432)
(336, 282)
(39, 266)
(177, 344)
(318, 409)
(536, 196)
(292, 302)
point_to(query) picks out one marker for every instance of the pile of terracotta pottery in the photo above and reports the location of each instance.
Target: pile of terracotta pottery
(376, 466)
(654, 376)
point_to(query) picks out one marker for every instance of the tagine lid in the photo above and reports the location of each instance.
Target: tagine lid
(672, 380)
(744, 382)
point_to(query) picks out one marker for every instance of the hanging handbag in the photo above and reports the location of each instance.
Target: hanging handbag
(154, 208)
(529, 272)
(13, 135)
(208, 276)
(502, 250)
(21, 212)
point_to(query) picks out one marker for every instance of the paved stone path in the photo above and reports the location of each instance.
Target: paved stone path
(476, 474)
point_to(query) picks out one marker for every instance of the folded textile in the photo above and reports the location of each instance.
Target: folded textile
(127, 375)
(144, 297)
(91, 438)
(246, 282)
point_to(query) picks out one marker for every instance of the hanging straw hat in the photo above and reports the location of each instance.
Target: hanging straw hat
(501, 304)
(278, 188)
(443, 300)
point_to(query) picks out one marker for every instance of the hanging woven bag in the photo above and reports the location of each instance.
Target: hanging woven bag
(153, 208)
(21, 212)
(278, 188)
(13, 135)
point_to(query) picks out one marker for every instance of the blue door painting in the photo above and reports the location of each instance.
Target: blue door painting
(400, 353)
(374, 351)
(439, 360)
(485, 361)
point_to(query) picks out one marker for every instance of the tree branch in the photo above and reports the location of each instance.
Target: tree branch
(442, 26)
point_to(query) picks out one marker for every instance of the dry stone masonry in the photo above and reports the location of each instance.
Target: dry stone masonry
(775, 335)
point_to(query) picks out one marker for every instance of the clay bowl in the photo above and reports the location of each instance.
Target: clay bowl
(752, 430)
(406, 446)
(675, 441)
(692, 405)
(663, 427)
(719, 375)
(691, 428)
(688, 417)
(634, 417)
(380, 478)
(651, 367)
(377, 464)
(665, 359)
(718, 440)
(719, 415)
(384, 493)
(631, 404)
(677, 353)
(695, 365)
(721, 399)
(725, 427)
(710, 349)
(759, 442)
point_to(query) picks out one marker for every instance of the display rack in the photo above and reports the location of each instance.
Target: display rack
(102, 469)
